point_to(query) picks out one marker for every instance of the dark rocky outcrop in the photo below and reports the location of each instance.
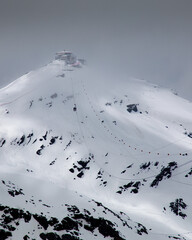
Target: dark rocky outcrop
(68, 228)
(49, 236)
(166, 172)
(2, 142)
(132, 108)
(177, 206)
(4, 234)
(145, 165)
(81, 166)
(42, 220)
(134, 185)
(66, 224)
(21, 140)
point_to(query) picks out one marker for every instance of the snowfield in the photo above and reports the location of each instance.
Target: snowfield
(86, 157)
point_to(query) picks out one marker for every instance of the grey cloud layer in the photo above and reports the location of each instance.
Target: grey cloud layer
(147, 39)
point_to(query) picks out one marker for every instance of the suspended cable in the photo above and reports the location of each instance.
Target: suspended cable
(141, 150)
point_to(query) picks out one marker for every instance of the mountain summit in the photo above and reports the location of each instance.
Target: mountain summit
(84, 156)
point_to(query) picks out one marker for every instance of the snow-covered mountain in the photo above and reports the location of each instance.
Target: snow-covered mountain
(86, 157)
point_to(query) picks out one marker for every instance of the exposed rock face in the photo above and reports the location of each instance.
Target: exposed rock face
(132, 108)
(166, 172)
(178, 206)
(68, 228)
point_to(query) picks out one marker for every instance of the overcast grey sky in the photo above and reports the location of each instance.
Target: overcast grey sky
(146, 39)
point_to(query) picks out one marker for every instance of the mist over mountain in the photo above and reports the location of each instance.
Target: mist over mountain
(148, 39)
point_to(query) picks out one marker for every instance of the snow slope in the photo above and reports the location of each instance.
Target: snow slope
(113, 156)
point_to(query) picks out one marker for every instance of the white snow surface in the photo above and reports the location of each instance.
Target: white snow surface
(66, 137)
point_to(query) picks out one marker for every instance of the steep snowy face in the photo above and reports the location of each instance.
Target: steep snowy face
(125, 144)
